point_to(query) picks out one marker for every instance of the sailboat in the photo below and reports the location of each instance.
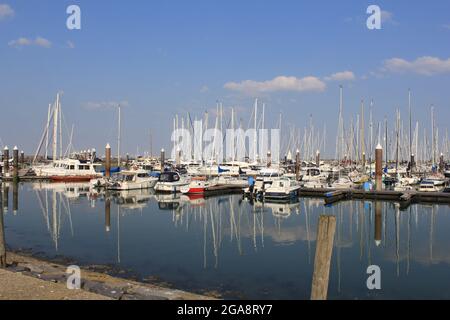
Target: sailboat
(78, 168)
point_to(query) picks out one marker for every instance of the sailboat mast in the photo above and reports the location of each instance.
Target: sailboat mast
(362, 138)
(46, 134)
(118, 136)
(410, 124)
(60, 130)
(55, 128)
(255, 136)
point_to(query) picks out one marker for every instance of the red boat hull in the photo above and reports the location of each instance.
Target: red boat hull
(196, 191)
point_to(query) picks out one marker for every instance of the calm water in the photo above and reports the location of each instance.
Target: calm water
(227, 245)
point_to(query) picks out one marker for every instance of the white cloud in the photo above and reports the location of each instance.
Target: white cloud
(22, 42)
(70, 44)
(341, 76)
(424, 65)
(281, 83)
(6, 11)
(42, 42)
(106, 104)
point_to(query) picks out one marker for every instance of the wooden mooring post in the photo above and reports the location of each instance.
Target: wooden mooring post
(6, 161)
(108, 161)
(322, 260)
(2, 241)
(107, 214)
(378, 223)
(16, 164)
(163, 160)
(297, 165)
(378, 167)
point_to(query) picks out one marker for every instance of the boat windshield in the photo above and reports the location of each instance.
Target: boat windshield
(169, 177)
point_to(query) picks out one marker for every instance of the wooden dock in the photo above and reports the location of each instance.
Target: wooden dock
(404, 198)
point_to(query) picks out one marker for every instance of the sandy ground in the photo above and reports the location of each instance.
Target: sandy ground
(28, 278)
(16, 286)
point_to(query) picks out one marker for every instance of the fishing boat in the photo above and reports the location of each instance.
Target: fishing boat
(132, 180)
(68, 170)
(281, 189)
(171, 181)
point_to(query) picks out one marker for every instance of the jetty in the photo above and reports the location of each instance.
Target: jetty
(404, 198)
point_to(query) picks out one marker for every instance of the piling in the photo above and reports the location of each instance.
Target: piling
(107, 214)
(378, 167)
(5, 198)
(318, 158)
(322, 260)
(441, 163)
(163, 154)
(297, 165)
(363, 160)
(378, 223)
(2, 242)
(127, 160)
(108, 161)
(15, 204)
(15, 163)
(269, 159)
(412, 163)
(22, 159)
(6, 161)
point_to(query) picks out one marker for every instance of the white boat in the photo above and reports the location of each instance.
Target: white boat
(68, 170)
(342, 183)
(282, 189)
(171, 181)
(132, 180)
(313, 174)
(431, 186)
(316, 184)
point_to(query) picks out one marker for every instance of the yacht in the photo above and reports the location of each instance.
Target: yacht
(281, 189)
(132, 180)
(68, 170)
(430, 186)
(171, 181)
(342, 183)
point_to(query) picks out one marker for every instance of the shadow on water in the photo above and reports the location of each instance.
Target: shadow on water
(233, 248)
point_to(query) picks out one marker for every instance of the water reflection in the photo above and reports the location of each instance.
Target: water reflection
(237, 247)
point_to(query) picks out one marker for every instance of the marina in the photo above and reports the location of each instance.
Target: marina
(215, 225)
(214, 151)
(231, 247)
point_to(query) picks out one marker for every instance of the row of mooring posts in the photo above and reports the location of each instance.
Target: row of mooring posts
(4, 190)
(108, 160)
(6, 170)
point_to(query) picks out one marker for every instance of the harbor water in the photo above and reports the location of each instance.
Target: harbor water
(230, 247)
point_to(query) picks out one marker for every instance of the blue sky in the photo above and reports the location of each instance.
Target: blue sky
(164, 57)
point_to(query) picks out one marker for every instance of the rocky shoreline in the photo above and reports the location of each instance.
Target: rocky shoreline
(94, 279)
